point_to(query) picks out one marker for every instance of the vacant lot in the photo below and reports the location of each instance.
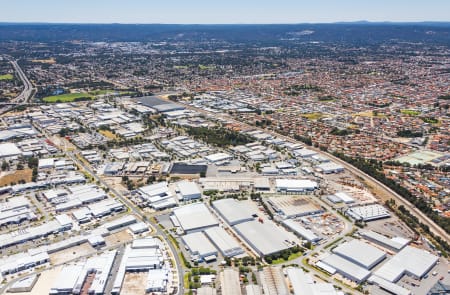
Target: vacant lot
(108, 134)
(71, 253)
(6, 77)
(118, 238)
(313, 116)
(16, 176)
(46, 280)
(134, 283)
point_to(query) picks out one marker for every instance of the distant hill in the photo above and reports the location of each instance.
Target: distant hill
(438, 33)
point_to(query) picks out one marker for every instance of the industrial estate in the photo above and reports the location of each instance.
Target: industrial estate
(281, 174)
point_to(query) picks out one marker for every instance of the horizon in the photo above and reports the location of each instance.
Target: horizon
(230, 12)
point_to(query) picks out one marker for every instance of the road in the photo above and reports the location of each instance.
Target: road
(135, 210)
(399, 200)
(25, 95)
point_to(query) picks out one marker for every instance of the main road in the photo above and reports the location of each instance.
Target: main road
(422, 217)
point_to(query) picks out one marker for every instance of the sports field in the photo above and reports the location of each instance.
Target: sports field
(6, 77)
(419, 157)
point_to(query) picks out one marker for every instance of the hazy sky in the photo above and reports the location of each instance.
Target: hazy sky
(225, 11)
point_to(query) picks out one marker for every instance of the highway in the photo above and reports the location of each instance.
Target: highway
(24, 96)
(399, 200)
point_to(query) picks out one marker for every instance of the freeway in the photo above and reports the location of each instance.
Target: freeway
(26, 93)
(434, 228)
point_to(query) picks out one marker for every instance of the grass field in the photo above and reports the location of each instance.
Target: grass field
(68, 97)
(108, 134)
(291, 257)
(313, 116)
(15, 177)
(410, 112)
(6, 77)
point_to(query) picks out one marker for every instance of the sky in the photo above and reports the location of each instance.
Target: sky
(222, 12)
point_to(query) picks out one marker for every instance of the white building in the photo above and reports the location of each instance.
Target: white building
(295, 185)
(188, 190)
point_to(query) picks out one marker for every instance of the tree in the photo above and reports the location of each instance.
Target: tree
(5, 165)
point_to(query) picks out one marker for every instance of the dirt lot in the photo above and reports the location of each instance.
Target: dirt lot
(44, 282)
(16, 176)
(71, 253)
(134, 283)
(118, 237)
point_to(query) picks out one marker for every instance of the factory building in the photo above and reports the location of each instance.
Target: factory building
(188, 190)
(234, 211)
(295, 185)
(193, 217)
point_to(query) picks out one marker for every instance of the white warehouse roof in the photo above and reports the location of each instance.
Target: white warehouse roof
(189, 190)
(9, 150)
(194, 217)
(199, 245)
(266, 238)
(410, 260)
(346, 268)
(301, 231)
(227, 245)
(360, 253)
(295, 184)
(233, 211)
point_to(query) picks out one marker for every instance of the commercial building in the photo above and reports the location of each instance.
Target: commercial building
(368, 212)
(194, 217)
(301, 231)
(265, 237)
(295, 185)
(200, 247)
(234, 211)
(226, 244)
(410, 261)
(188, 190)
(334, 263)
(303, 283)
(294, 206)
(360, 253)
(394, 243)
(15, 210)
(229, 282)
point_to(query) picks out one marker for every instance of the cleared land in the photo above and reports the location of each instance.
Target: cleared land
(313, 116)
(71, 253)
(108, 134)
(44, 283)
(16, 176)
(118, 238)
(134, 283)
(6, 77)
(410, 112)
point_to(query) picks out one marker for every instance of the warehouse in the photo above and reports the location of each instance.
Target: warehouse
(15, 210)
(299, 230)
(188, 190)
(330, 167)
(368, 212)
(230, 282)
(273, 281)
(200, 247)
(394, 244)
(159, 104)
(265, 237)
(341, 197)
(157, 196)
(219, 157)
(303, 283)
(105, 207)
(194, 217)
(67, 279)
(360, 253)
(157, 280)
(22, 261)
(345, 268)
(9, 150)
(410, 261)
(295, 185)
(226, 244)
(234, 211)
(304, 153)
(388, 286)
(294, 206)
(187, 169)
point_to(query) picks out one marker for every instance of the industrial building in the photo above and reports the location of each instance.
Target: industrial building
(303, 283)
(334, 263)
(368, 212)
(234, 211)
(157, 195)
(295, 185)
(193, 217)
(229, 282)
(330, 167)
(219, 158)
(341, 197)
(188, 190)
(273, 281)
(294, 206)
(200, 247)
(9, 150)
(360, 253)
(301, 231)
(410, 261)
(394, 243)
(159, 104)
(265, 237)
(15, 210)
(226, 244)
